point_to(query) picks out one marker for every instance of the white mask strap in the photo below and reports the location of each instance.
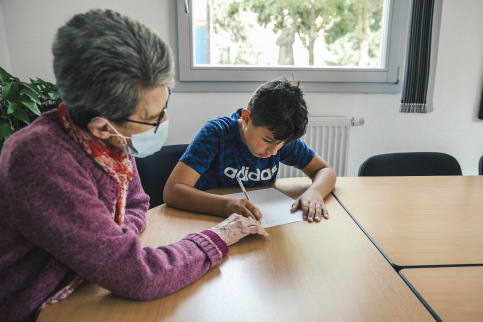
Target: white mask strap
(112, 127)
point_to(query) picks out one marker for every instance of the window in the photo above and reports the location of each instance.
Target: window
(329, 45)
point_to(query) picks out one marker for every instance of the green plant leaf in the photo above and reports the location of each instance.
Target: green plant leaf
(4, 76)
(6, 90)
(12, 107)
(32, 87)
(32, 106)
(10, 91)
(21, 115)
(34, 96)
(5, 131)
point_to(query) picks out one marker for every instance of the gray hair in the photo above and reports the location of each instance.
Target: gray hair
(103, 62)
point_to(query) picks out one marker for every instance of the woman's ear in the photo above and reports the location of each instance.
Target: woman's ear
(245, 116)
(99, 128)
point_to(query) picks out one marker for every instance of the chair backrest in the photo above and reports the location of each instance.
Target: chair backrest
(480, 167)
(155, 169)
(410, 164)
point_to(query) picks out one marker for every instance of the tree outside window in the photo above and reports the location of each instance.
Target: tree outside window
(307, 33)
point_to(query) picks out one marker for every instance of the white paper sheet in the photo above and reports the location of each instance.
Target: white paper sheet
(274, 205)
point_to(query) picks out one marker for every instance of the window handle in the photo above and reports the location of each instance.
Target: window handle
(186, 7)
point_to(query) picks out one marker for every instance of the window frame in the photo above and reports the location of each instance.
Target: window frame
(328, 79)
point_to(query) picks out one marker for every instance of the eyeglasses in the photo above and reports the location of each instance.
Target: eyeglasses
(160, 118)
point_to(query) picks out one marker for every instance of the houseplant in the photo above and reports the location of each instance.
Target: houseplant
(21, 102)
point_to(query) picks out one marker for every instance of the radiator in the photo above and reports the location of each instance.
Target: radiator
(328, 136)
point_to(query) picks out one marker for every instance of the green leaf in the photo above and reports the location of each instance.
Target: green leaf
(10, 91)
(32, 87)
(32, 106)
(12, 107)
(5, 131)
(6, 90)
(4, 76)
(32, 94)
(21, 115)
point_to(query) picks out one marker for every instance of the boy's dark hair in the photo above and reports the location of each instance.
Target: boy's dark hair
(279, 105)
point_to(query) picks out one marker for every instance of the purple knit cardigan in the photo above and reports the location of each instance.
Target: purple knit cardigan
(55, 222)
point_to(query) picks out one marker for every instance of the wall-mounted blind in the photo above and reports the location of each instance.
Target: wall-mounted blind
(418, 62)
(480, 114)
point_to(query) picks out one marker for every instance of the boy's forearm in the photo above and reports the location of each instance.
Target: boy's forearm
(324, 181)
(184, 197)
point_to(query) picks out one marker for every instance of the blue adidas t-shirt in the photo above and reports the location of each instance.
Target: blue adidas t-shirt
(218, 154)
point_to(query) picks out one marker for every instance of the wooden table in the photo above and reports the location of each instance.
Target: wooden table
(418, 221)
(454, 293)
(326, 271)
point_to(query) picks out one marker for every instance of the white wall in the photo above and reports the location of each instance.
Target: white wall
(4, 55)
(29, 27)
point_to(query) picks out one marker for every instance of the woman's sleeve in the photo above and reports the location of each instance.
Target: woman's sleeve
(55, 205)
(137, 203)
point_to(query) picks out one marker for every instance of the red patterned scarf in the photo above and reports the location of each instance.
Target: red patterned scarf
(119, 168)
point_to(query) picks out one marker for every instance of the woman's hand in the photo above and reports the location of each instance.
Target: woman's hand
(236, 227)
(312, 204)
(243, 207)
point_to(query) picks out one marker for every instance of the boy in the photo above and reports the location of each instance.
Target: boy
(251, 143)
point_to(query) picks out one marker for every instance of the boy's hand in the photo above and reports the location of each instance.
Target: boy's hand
(312, 205)
(242, 207)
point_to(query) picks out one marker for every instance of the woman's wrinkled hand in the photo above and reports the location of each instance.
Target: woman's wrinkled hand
(235, 227)
(312, 205)
(243, 207)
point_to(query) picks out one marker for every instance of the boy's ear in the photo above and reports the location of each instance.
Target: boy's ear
(99, 128)
(245, 116)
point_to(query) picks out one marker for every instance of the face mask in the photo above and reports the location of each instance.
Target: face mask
(144, 143)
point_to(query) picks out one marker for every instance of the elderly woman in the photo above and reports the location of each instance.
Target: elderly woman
(72, 202)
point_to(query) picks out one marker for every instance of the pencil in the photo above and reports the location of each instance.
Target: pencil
(242, 187)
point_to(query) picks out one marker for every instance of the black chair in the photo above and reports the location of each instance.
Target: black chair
(410, 164)
(155, 169)
(480, 168)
